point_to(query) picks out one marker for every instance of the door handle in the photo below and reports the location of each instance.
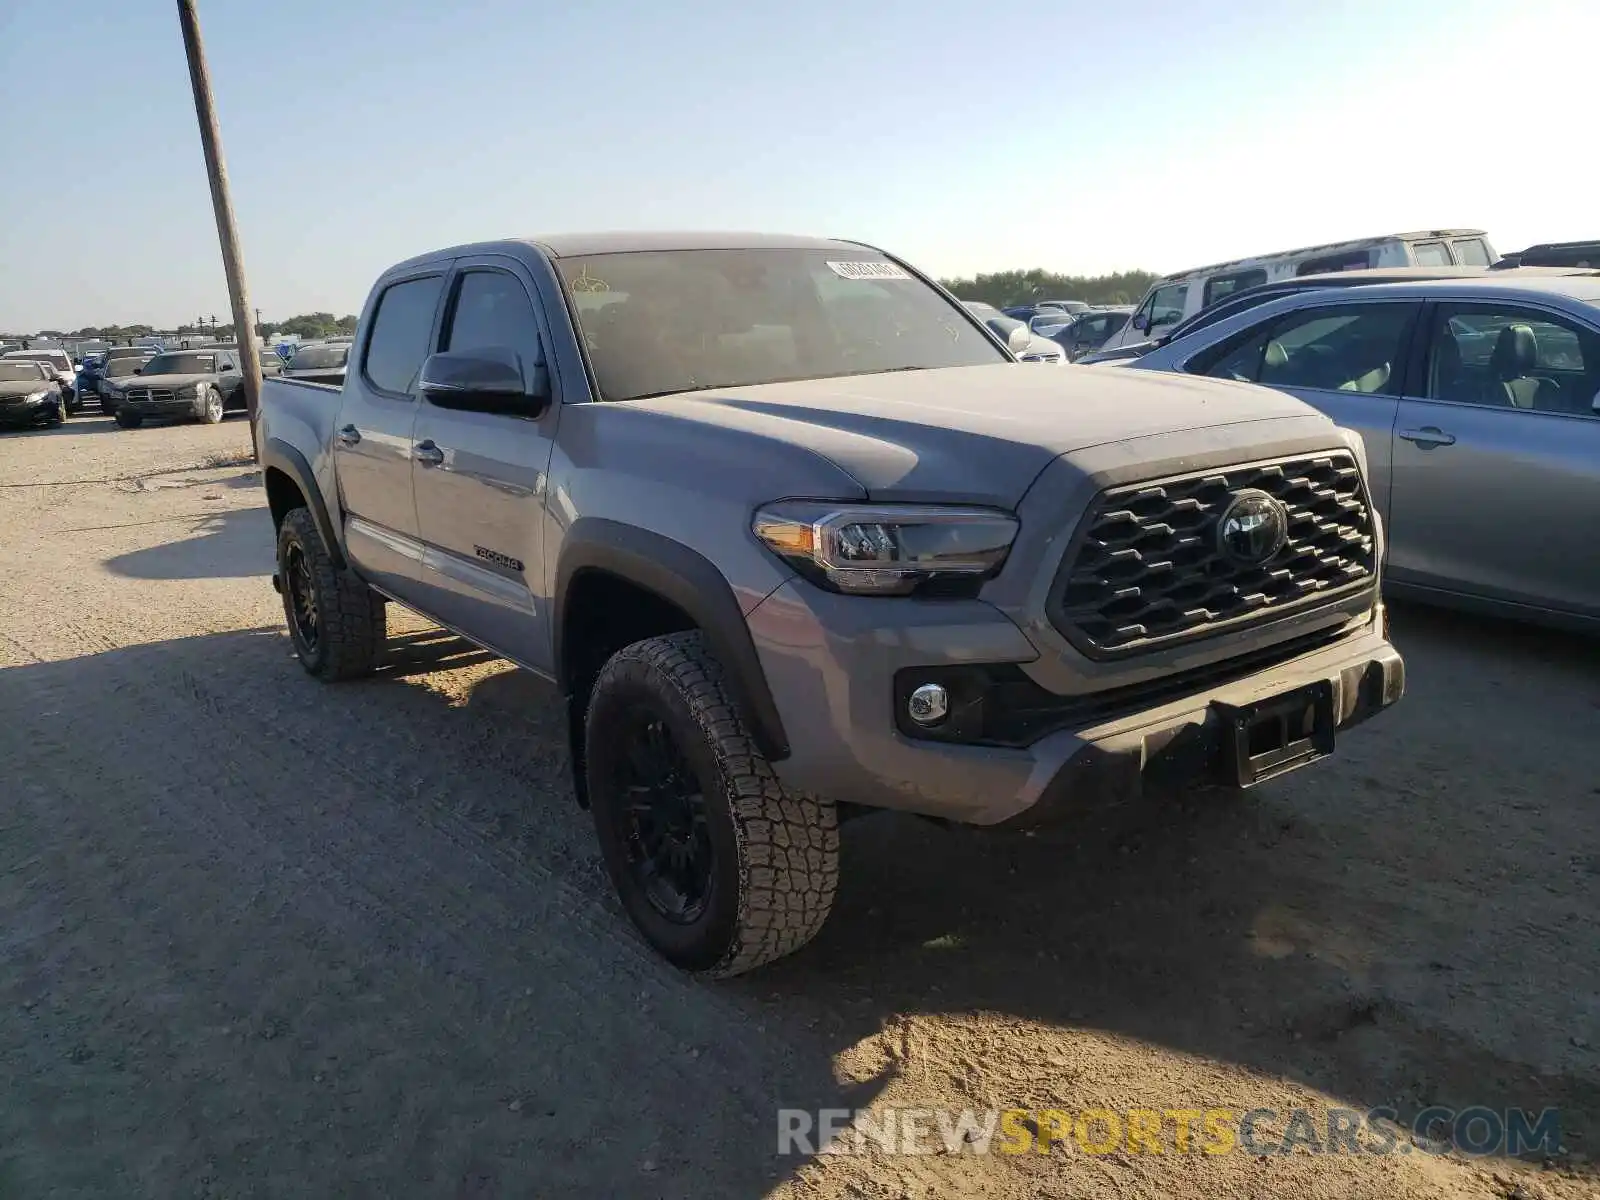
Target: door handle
(1429, 435)
(349, 435)
(427, 453)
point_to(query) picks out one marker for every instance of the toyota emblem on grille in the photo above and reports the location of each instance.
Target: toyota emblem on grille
(1253, 527)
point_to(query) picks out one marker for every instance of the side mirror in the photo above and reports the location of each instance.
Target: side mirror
(227, 366)
(489, 380)
(1141, 322)
(1019, 339)
(138, 370)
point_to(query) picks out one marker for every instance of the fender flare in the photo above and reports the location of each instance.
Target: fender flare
(691, 582)
(279, 455)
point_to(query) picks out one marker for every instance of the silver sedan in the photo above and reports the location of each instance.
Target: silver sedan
(1479, 402)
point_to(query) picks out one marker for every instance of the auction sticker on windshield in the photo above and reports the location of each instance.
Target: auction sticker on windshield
(868, 270)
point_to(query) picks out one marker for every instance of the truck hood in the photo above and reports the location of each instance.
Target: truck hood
(979, 433)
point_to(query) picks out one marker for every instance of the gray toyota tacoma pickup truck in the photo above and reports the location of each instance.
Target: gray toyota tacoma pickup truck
(796, 537)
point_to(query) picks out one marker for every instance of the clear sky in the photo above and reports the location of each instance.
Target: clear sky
(1077, 136)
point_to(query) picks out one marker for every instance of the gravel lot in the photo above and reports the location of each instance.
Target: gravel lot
(262, 937)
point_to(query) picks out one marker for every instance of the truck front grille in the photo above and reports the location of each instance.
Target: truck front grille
(151, 395)
(1149, 567)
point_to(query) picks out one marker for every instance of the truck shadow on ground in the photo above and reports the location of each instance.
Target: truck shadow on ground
(235, 543)
(1372, 928)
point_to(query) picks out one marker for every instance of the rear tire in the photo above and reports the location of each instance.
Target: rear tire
(337, 623)
(129, 420)
(718, 867)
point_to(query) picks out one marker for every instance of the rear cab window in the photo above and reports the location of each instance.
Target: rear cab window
(1471, 252)
(401, 329)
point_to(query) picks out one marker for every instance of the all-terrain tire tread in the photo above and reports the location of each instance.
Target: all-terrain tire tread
(354, 618)
(788, 844)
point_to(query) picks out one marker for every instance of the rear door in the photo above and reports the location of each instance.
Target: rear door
(1344, 358)
(1497, 458)
(372, 433)
(480, 477)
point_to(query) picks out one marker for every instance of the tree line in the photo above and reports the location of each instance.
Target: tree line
(307, 326)
(1006, 288)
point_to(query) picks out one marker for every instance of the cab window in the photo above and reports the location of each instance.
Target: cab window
(1471, 252)
(492, 310)
(399, 339)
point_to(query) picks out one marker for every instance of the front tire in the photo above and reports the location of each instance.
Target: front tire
(128, 419)
(337, 623)
(717, 865)
(211, 407)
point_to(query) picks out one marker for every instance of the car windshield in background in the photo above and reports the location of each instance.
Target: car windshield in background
(319, 358)
(59, 361)
(656, 322)
(125, 360)
(181, 364)
(20, 372)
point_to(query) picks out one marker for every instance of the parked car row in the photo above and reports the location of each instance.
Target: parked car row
(30, 394)
(58, 367)
(201, 384)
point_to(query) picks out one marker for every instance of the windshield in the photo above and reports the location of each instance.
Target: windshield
(125, 360)
(43, 356)
(20, 372)
(181, 364)
(319, 357)
(656, 322)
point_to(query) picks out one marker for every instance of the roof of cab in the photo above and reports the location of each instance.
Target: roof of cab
(572, 245)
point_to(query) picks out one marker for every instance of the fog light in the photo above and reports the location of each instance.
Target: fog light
(929, 704)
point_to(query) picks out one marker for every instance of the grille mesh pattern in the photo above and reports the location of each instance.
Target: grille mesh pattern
(1148, 569)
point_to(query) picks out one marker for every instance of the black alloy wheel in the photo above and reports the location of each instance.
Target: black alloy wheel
(668, 842)
(301, 589)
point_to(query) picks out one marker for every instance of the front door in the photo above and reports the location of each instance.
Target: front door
(1497, 459)
(372, 435)
(480, 478)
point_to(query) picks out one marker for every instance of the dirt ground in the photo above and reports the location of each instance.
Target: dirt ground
(260, 937)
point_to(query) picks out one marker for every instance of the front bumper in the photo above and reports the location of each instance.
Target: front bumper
(832, 663)
(32, 414)
(161, 408)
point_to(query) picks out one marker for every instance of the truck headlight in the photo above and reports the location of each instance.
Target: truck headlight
(889, 549)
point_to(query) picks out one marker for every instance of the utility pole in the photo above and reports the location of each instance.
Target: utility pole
(222, 205)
